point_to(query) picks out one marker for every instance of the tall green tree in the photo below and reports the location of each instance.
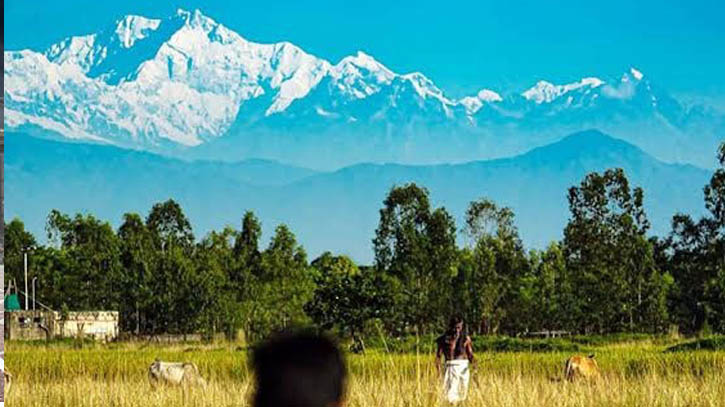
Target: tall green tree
(138, 257)
(609, 258)
(285, 283)
(17, 239)
(169, 227)
(697, 260)
(545, 294)
(215, 295)
(248, 258)
(416, 246)
(715, 204)
(346, 298)
(246, 245)
(498, 263)
(174, 272)
(443, 255)
(92, 252)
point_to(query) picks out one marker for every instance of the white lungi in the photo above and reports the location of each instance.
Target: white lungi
(455, 380)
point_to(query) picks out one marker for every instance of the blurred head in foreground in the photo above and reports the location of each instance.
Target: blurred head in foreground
(299, 370)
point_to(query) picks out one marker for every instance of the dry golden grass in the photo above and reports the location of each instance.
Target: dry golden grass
(638, 374)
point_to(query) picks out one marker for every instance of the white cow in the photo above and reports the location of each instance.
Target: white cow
(176, 373)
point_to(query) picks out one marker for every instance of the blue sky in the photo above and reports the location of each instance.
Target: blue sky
(462, 46)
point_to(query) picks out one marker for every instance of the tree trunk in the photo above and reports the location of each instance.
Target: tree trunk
(138, 319)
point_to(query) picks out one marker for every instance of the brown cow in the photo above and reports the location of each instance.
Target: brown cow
(582, 367)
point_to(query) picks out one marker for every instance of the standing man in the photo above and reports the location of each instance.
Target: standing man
(457, 348)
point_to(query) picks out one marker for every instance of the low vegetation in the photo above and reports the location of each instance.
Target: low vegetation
(716, 343)
(634, 373)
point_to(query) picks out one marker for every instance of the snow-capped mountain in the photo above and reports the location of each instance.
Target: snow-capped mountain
(547, 92)
(186, 81)
(183, 79)
(145, 81)
(592, 91)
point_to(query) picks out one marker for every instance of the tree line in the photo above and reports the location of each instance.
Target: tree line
(606, 274)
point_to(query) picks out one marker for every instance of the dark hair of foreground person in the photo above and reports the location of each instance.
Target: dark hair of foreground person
(298, 370)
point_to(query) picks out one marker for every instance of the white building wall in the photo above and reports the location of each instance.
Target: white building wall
(99, 325)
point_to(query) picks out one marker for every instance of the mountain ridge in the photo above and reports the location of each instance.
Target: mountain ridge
(336, 210)
(185, 85)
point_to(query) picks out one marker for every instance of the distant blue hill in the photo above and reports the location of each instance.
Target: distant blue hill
(338, 210)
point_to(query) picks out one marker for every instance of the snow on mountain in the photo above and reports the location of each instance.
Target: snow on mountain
(546, 92)
(360, 76)
(95, 53)
(637, 74)
(134, 28)
(186, 80)
(187, 87)
(426, 88)
(488, 95)
(474, 103)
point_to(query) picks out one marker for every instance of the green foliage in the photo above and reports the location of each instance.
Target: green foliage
(246, 249)
(416, 247)
(481, 343)
(508, 344)
(694, 255)
(89, 255)
(16, 240)
(495, 280)
(138, 260)
(169, 227)
(346, 298)
(612, 339)
(606, 276)
(214, 296)
(605, 246)
(284, 284)
(714, 343)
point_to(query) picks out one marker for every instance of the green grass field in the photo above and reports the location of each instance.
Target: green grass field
(634, 373)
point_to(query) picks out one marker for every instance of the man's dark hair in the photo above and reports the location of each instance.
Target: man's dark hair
(300, 370)
(453, 321)
(450, 332)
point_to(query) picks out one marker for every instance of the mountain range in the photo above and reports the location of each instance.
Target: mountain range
(334, 210)
(186, 86)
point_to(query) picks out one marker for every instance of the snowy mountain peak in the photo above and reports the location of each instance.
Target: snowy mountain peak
(632, 75)
(425, 87)
(133, 28)
(488, 95)
(546, 92)
(592, 82)
(542, 92)
(353, 64)
(359, 76)
(80, 51)
(364, 60)
(474, 103)
(196, 19)
(185, 80)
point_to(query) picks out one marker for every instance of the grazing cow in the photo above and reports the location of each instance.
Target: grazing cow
(175, 373)
(581, 367)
